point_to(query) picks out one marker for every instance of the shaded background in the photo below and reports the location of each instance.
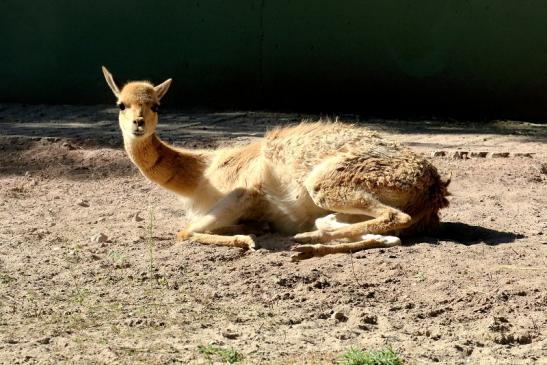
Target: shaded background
(476, 58)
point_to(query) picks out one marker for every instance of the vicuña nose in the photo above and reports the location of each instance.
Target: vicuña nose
(139, 122)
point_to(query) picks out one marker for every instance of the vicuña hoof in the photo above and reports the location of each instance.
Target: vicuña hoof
(305, 252)
(183, 235)
(311, 237)
(386, 241)
(244, 241)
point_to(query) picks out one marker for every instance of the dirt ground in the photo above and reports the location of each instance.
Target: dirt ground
(90, 272)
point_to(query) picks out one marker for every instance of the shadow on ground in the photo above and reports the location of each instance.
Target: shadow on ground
(466, 234)
(96, 125)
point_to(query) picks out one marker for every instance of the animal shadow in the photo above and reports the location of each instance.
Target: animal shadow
(467, 234)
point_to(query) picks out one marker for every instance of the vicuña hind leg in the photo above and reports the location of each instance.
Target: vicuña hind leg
(335, 221)
(385, 219)
(364, 234)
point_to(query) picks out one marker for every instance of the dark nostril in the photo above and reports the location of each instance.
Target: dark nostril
(140, 123)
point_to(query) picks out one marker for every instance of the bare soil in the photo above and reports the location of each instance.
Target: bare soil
(476, 293)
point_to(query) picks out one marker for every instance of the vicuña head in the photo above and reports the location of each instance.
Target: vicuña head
(138, 102)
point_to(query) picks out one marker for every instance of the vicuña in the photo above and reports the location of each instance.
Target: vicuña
(336, 187)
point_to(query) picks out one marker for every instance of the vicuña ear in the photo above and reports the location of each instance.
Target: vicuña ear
(110, 81)
(162, 88)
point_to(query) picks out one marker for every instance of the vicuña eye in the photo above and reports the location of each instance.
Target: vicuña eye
(154, 108)
(121, 106)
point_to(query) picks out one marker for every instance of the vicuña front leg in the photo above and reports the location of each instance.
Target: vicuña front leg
(239, 240)
(226, 212)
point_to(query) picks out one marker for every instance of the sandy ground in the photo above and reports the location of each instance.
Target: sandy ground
(474, 294)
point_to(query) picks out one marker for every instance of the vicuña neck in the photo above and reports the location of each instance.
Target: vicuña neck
(178, 170)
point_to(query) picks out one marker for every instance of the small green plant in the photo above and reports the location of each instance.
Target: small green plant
(74, 255)
(358, 357)
(150, 242)
(227, 355)
(6, 279)
(79, 295)
(420, 276)
(31, 305)
(118, 260)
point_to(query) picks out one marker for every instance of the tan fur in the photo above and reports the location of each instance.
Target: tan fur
(344, 180)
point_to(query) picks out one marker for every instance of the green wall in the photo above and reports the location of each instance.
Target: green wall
(480, 57)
